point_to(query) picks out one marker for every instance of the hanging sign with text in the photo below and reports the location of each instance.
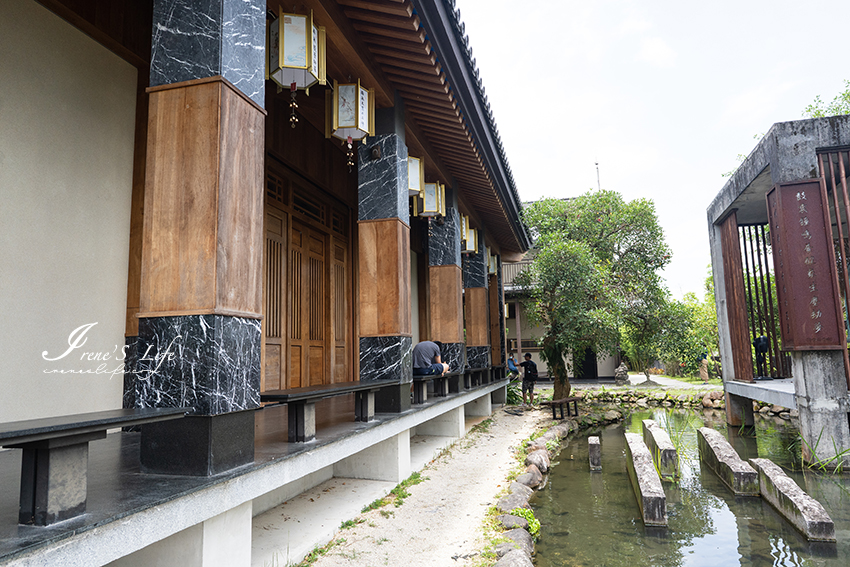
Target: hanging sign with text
(804, 261)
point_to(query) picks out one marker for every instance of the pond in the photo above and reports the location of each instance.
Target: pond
(592, 519)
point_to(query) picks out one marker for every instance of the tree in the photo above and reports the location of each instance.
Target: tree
(596, 269)
(839, 105)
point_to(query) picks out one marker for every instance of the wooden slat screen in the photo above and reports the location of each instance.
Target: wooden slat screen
(736, 301)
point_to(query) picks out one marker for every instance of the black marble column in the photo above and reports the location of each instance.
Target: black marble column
(454, 354)
(383, 197)
(478, 357)
(197, 39)
(444, 239)
(209, 363)
(475, 273)
(382, 179)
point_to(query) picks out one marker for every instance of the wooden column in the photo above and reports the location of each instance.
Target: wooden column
(445, 281)
(497, 321)
(736, 301)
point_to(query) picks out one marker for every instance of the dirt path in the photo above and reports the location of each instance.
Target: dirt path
(440, 523)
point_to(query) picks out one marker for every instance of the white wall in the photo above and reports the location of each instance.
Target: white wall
(67, 109)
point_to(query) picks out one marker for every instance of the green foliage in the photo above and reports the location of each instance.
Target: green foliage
(595, 271)
(839, 105)
(533, 523)
(514, 393)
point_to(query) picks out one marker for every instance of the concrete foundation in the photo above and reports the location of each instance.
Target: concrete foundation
(822, 401)
(449, 424)
(645, 481)
(221, 541)
(804, 512)
(662, 450)
(500, 396)
(594, 449)
(480, 407)
(387, 460)
(716, 452)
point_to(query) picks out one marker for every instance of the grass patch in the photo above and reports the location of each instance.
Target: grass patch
(396, 495)
(318, 552)
(348, 524)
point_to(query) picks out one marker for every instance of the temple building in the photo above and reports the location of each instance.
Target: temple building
(779, 252)
(225, 226)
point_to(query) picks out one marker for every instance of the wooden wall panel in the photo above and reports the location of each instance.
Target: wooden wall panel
(736, 299)
(240, 205)
(384, 290)
(476, 314)
(203, 202)
(446, 303)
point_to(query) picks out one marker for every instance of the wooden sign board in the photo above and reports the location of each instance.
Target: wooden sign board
(804, 262)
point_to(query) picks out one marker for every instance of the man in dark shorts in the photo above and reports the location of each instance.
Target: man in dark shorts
(427, 361)
(528, 379)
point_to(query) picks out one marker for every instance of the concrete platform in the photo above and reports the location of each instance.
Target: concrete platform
(645, 482)
(716, 452)
(779, 392)
(801, 510)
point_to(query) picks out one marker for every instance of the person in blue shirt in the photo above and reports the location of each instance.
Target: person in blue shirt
(513, 371)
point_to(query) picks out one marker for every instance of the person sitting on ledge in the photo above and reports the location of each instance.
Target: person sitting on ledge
(426, 359)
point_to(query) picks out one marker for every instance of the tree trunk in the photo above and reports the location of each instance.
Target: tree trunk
(557, 369)
(562, 389)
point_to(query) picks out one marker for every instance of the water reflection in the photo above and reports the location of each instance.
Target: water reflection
(592, 519)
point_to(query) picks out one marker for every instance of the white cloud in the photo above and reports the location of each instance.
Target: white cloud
(656, 51)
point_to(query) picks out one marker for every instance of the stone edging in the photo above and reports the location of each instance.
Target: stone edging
(518, 551)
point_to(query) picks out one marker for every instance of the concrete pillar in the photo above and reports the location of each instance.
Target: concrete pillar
(446, 285)
(821, 393)
(480, 407)
(388, 460)
(518, 308)
(499, 396)
(739, 411)
(201, 274)
(497, 317)
(477, 306)
(449, 424)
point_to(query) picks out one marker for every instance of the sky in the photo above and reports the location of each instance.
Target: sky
(662, 94)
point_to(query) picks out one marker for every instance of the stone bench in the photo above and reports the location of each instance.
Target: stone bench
(473, 377)
(54, 465)
(559, 405)
(662, 450)
(804, 512)
(716, 452)
(301, 404)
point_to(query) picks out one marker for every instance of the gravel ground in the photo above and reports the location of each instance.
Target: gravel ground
(440, 523)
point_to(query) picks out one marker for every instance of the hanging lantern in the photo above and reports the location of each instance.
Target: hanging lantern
(491, 264)
(351, 111)
(296, 51)
(464, 226)
(415, 176)
(432, 201)
(470, 244)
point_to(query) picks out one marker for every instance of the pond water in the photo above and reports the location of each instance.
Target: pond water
(592, 519)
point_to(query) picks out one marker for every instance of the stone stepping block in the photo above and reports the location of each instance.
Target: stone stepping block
(595, 452)
(716, 452)
(804, 512)
(662, 450)
(645, 482)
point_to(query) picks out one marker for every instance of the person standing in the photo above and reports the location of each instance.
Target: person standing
(513, 371)
(528, 379)
(427, 361)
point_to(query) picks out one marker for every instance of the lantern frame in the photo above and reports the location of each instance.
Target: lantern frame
(415, 169)
(306, 70)
(357, 124)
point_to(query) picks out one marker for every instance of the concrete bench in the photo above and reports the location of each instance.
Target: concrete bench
(54, 465)
(559, 405)
(301, 404)
(661, 448)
